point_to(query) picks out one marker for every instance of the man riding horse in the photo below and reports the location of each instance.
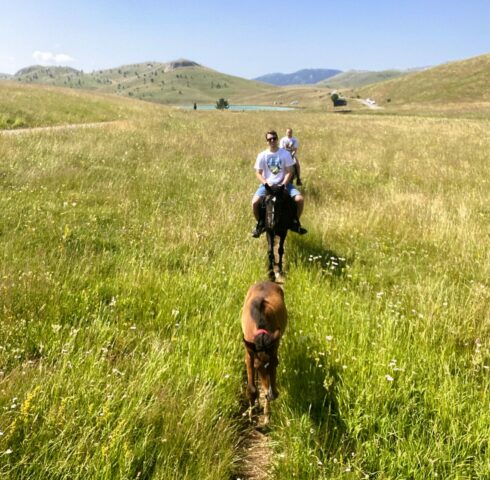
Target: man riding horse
(291, 144)
(274, 167)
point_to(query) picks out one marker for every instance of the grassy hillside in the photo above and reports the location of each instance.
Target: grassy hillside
(35, 106)
(299, 96)
(461, 82)
(180, 82)
(126, 255)
(356, 78)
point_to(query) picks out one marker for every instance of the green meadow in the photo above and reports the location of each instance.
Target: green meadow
(125, 258)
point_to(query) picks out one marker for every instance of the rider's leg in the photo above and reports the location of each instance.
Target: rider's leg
(258, 214)
(256, 207)
(299, 201)
(298, 171)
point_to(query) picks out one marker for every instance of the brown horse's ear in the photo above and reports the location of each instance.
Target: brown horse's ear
(276, 335)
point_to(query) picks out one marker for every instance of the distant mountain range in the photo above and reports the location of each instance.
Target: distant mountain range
(307, 76)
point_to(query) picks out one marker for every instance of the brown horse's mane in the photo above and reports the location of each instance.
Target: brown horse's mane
(257, 309)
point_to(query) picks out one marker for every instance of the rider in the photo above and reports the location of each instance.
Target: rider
(274, 166)
(291, 144)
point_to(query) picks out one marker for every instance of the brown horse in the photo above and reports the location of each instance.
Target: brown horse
(264, 320)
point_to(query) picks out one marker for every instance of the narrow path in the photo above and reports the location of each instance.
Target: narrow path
(73, 126)
(255, 449)
(256, 458)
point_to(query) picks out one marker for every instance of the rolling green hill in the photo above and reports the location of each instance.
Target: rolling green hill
(465, 81)
(454, 87)
(177, 83)
(40, 105)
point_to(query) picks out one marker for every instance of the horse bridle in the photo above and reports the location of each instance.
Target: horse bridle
(253, 347)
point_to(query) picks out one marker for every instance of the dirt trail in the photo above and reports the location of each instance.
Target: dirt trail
(256, 453)
(255, 448)
(73, 126)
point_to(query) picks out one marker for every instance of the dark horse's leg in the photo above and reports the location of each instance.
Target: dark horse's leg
(280, 250)
(270, 251)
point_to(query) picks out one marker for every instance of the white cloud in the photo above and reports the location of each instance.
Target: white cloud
(50, 58)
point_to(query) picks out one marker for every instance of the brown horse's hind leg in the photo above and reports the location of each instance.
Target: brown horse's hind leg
(252, 392)
(268, 396)
(266, 412)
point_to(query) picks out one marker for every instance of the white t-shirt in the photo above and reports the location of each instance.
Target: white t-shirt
(289, 143)
(273, 165)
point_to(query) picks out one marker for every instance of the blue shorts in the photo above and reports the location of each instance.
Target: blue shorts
(290, 187)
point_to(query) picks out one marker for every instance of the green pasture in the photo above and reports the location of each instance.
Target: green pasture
(125, 258)
(26, 106)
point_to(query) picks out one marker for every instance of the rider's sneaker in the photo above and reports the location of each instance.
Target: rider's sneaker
(258, 230)
(299, 182)
(296, 227)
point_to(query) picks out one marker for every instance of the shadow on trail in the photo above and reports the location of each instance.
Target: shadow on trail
(312, 384)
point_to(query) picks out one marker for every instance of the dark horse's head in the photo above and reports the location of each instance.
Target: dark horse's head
(277, 209)
(278, 217)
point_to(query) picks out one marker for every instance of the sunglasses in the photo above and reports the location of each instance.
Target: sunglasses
(270, 139)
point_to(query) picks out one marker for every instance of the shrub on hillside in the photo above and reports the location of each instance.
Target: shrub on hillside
(337, 100)
(222, 104)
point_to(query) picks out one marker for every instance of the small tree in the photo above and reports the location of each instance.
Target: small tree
(222, 104)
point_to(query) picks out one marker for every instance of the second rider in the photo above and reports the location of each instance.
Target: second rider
(274, 166)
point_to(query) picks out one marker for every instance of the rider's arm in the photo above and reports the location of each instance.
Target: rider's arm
(260, 177)
(287, 177)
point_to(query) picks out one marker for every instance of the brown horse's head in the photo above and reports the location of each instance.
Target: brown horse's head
(263, 350)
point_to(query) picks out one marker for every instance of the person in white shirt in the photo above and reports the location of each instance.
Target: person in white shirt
(291, 144)
(274, 167)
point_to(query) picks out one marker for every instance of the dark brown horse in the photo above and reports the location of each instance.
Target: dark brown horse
(264, 320)
(279, 216)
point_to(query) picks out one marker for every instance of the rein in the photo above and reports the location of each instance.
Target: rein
(261, 330)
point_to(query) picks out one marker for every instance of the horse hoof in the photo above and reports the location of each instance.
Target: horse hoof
(279, 277)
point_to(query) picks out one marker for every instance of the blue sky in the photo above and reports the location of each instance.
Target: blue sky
(246, 39)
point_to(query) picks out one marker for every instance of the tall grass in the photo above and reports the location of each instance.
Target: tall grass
(125, 259)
